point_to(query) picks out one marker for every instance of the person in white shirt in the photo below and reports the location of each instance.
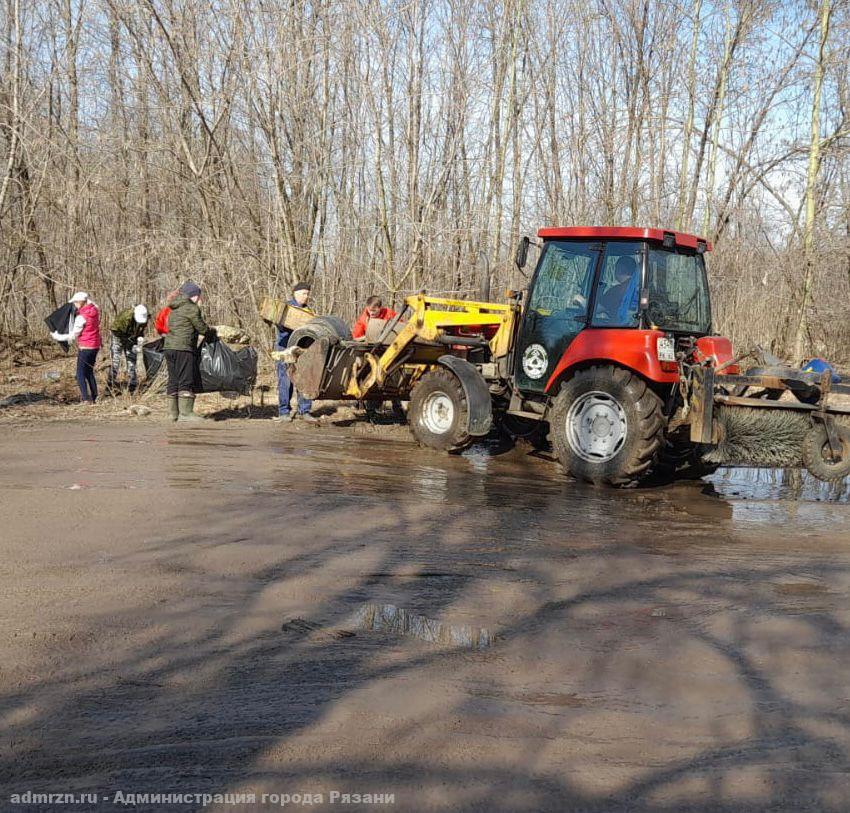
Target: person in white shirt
(85, 332)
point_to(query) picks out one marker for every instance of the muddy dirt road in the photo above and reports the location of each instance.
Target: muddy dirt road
(242, 608)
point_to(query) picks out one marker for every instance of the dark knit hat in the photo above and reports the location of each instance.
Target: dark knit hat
(190, 289)
(301, 286)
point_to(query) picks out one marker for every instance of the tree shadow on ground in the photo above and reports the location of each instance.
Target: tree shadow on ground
(20, 399)
(150, 724)
(253, 412)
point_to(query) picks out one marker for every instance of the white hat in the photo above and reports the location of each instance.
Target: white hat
(80, 296)
(140, 314)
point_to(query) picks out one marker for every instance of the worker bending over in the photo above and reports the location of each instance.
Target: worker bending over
(374, 310)
(127, 336)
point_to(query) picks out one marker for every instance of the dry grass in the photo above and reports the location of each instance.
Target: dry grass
(44, 379)
(25, 370)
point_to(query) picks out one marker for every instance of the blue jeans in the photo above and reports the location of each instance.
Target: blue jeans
(85, 374)
(284, 392)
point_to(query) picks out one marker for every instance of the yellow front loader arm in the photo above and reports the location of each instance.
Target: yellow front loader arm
(430, 318)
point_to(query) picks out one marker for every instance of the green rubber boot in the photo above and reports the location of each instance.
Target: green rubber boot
(187, 409)
(173, 410)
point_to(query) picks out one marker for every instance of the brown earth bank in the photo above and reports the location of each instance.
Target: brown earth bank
(242, 607)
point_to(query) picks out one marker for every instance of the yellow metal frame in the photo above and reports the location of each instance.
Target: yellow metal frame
(429, 320)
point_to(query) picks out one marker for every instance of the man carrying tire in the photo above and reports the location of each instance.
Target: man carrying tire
(285, 387)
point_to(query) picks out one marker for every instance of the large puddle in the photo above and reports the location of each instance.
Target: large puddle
(491, 475)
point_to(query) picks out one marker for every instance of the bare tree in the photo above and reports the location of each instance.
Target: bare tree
(383, 146)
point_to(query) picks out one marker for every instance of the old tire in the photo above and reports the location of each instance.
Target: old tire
(438, 411)
(322, 327)
(815, 454)
(607, 426)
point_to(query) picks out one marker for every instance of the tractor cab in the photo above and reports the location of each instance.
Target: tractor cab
(610, 294)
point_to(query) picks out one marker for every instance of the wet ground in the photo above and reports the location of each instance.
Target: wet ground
(245, 608)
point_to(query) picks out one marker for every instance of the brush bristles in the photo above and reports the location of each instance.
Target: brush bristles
(759, 437)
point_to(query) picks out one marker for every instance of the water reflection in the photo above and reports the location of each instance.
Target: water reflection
(398, 621)
(430, 483)
(777, 484)
(479, 456)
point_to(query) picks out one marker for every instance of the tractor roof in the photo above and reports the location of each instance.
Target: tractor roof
(621, 233)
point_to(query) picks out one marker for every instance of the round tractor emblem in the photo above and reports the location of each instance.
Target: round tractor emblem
(535, 361)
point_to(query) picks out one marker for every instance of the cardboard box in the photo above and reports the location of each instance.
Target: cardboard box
(280, 312)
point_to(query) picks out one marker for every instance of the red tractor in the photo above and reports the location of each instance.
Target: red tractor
(608, 315)
(611, 355)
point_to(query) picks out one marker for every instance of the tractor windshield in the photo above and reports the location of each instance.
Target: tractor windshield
(678, 291)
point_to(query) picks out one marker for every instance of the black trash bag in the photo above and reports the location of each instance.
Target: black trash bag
(222, 368)
(154, 358)
(61, 321)
(226, 370)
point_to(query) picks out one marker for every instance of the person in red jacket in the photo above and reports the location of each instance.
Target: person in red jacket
(374, 310)
(85, 331)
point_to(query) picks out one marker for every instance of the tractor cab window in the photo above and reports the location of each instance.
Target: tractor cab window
(557, 308)
(562, 286)
(678, 291)
(618, 293)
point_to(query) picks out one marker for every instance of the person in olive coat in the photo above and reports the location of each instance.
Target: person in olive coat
(127, 336)
(185, 326)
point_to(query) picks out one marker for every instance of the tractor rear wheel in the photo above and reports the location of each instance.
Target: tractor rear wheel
(607, 426)
(438, 411)
(816, 457)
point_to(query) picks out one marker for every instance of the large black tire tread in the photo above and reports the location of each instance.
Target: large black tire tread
(813, 450)
(644, 433)
(322, 327)
(440, 380)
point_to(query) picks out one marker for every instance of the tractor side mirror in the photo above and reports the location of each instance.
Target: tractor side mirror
(522, 253)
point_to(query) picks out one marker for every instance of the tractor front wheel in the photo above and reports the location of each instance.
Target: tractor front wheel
(438, 411)
(607, 426)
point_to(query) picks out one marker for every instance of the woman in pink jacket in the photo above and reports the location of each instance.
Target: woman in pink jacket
(85, 331)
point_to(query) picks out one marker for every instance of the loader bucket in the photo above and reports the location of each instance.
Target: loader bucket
(323, 369)
(309, 369)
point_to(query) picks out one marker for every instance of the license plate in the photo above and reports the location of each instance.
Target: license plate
(666, 349)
